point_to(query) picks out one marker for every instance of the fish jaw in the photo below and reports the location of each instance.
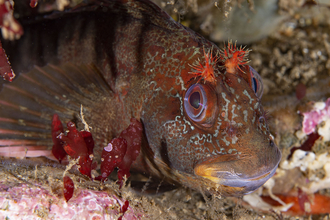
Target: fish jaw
(228, 171)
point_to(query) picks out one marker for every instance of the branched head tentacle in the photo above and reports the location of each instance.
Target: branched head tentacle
(206, 71)
(233, 57)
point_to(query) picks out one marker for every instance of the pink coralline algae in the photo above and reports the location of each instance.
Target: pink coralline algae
(30, 202)
(320, 113)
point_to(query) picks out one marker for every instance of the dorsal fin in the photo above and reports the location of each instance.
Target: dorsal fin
(28, 104)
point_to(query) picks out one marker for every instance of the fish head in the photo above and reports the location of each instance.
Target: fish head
(211, 131)
(237, 150)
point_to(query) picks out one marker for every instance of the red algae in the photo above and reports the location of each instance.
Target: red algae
(68, 188)
(11, 28)
(89, 141)
(121, 152)
(133, 136)
(124, 209)
(5, 69)
(302, 199)
(33, 3)
(307, 145)
(57, 128)
(300, 91)
(75, 146)
(74, 143)
(112, 156)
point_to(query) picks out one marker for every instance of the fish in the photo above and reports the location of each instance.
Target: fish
(204, 126)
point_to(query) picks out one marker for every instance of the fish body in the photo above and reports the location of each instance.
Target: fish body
(129, 59)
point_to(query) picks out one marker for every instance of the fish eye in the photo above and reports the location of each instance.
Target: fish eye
(256, 82)
(194, 101)
(200, 104)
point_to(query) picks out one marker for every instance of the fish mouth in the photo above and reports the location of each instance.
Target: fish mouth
(225, 174)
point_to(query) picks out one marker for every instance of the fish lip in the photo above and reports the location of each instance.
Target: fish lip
(234, 179)
(250, 183)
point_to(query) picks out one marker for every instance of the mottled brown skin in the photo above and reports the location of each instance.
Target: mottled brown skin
(147, 60)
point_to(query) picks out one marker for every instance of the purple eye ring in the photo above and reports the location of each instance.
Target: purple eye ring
(195, 102)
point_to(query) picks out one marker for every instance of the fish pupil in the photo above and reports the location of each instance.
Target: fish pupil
(195, 100)
(254, 84)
